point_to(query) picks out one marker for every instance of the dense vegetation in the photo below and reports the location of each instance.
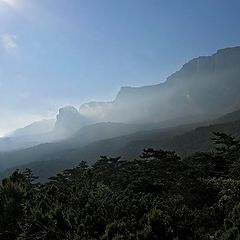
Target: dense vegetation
(158, 196)
(184, 140)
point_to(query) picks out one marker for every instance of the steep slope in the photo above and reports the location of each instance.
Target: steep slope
(205, 85)
(31, 135)
(185, 140)
(230, 117)
(69, 121)
(57, 150)
(51, 158)
(36, 128)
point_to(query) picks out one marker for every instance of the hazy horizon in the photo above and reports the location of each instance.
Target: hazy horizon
(56, 53)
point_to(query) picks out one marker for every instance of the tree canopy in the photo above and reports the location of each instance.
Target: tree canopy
(157, 196)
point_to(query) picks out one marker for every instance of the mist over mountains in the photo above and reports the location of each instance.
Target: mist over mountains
(204, 85)
(114, 139)
(207, 85)
(201, 93)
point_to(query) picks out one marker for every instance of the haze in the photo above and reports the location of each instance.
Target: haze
(55, 53)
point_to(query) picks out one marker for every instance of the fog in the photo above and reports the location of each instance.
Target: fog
(203, 89)
(203, 86)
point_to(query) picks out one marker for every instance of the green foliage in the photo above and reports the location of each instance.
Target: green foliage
(227, 148)
(158, 196)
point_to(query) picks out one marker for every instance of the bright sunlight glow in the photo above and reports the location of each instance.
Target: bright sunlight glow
(11, 3)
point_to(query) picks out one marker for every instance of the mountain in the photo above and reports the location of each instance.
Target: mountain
(54, 157)
(69, 121)
(57, 149)
(36, 128)
(31, 135)
(204, 88)
(59, 153)
(49, 159)
(204, 85)
(230, 117)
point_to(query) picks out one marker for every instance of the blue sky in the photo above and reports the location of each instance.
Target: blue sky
(60, 52)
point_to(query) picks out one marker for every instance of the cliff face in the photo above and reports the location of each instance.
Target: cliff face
(204, 85)
(209, 84)
(69, 120)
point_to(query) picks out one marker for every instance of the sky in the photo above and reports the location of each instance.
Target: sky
(68, 52)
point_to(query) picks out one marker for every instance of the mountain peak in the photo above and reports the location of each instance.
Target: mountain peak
(68, 109)
(203, 85)
(228, 50)
(69, 120)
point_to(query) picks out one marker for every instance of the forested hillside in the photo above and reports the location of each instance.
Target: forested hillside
(157, 196)
(48, 159)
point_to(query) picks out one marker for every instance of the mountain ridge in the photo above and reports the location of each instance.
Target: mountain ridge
(203, 85)
(206, 85)
(185, 139)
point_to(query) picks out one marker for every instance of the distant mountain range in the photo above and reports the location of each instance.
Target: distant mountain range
(203, 86)
(36, 128)
(49, 159)
(204, 91)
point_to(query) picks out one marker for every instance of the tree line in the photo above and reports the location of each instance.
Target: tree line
(157, 196)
